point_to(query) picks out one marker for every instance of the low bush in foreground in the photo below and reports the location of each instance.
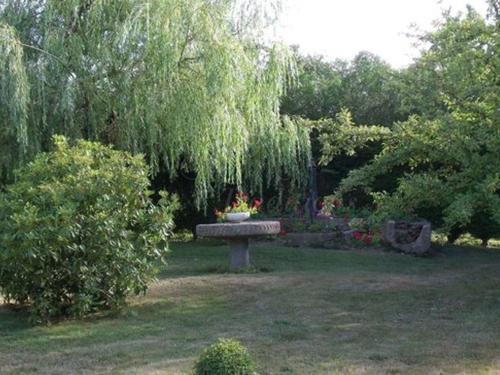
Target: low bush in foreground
(78, 231)
(225, 357)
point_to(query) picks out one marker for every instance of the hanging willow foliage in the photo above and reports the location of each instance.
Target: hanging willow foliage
(14, 99)
(184, 81)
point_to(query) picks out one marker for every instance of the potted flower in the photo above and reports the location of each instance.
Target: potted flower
(240, 210)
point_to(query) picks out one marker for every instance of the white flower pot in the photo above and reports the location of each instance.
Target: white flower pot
(237, 217)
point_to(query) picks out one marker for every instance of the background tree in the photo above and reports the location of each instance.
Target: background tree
(371, 91)
(449, 152)
(317, 93)
(366, 87)
(187, 82)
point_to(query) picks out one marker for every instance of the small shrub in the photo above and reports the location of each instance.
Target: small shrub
(366, 239)
(359, 224)
(225, 357)
(78, 231)
(300, 225)
(296, 226)
(322, 227)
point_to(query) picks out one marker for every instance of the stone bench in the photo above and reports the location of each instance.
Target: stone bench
(237, 235)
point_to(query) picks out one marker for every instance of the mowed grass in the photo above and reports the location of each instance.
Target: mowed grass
(299, 312)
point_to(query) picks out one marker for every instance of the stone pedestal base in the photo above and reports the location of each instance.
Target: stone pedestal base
(237, 234)
(240, 257)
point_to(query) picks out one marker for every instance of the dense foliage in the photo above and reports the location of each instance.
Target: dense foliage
(78, 231)
(329, 95)
(341, 135)
(225, 357)
(366, 86)
(187, 82)
(450, 152)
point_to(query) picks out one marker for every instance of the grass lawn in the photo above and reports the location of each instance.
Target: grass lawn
(303, 312)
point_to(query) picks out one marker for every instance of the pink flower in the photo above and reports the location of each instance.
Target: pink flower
(357, 236)
(367, 239)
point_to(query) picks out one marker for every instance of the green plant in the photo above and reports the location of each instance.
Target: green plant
(240, 204)
(332, 206)
(184, 235)
(359, 224)
(78, 231)
(322, 227)
(298, 225)
(225, 357)
(295, 225)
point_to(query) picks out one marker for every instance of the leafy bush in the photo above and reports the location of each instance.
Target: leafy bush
(300, 225)
(322, 227)
(359, 224)
(225, 357)
(78, 231)
(295, 226)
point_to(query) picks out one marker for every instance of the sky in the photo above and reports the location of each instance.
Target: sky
(342, 28)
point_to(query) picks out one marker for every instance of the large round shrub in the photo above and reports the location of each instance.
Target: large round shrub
(78, 231)
(225, 357)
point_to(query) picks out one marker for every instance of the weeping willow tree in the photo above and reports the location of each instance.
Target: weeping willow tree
(187, 82)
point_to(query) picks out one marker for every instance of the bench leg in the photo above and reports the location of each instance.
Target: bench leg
(240, 256)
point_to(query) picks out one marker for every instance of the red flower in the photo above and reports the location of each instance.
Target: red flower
(257, 203)
(367, 239)
(321, 204)
(357, 235)
(337, 203)
(234, 204)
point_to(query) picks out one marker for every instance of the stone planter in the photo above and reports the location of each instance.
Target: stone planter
(307, 239)
(409, 237)
(236, 217)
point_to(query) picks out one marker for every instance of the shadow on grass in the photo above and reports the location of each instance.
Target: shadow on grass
(12, 320)
(148, 318)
